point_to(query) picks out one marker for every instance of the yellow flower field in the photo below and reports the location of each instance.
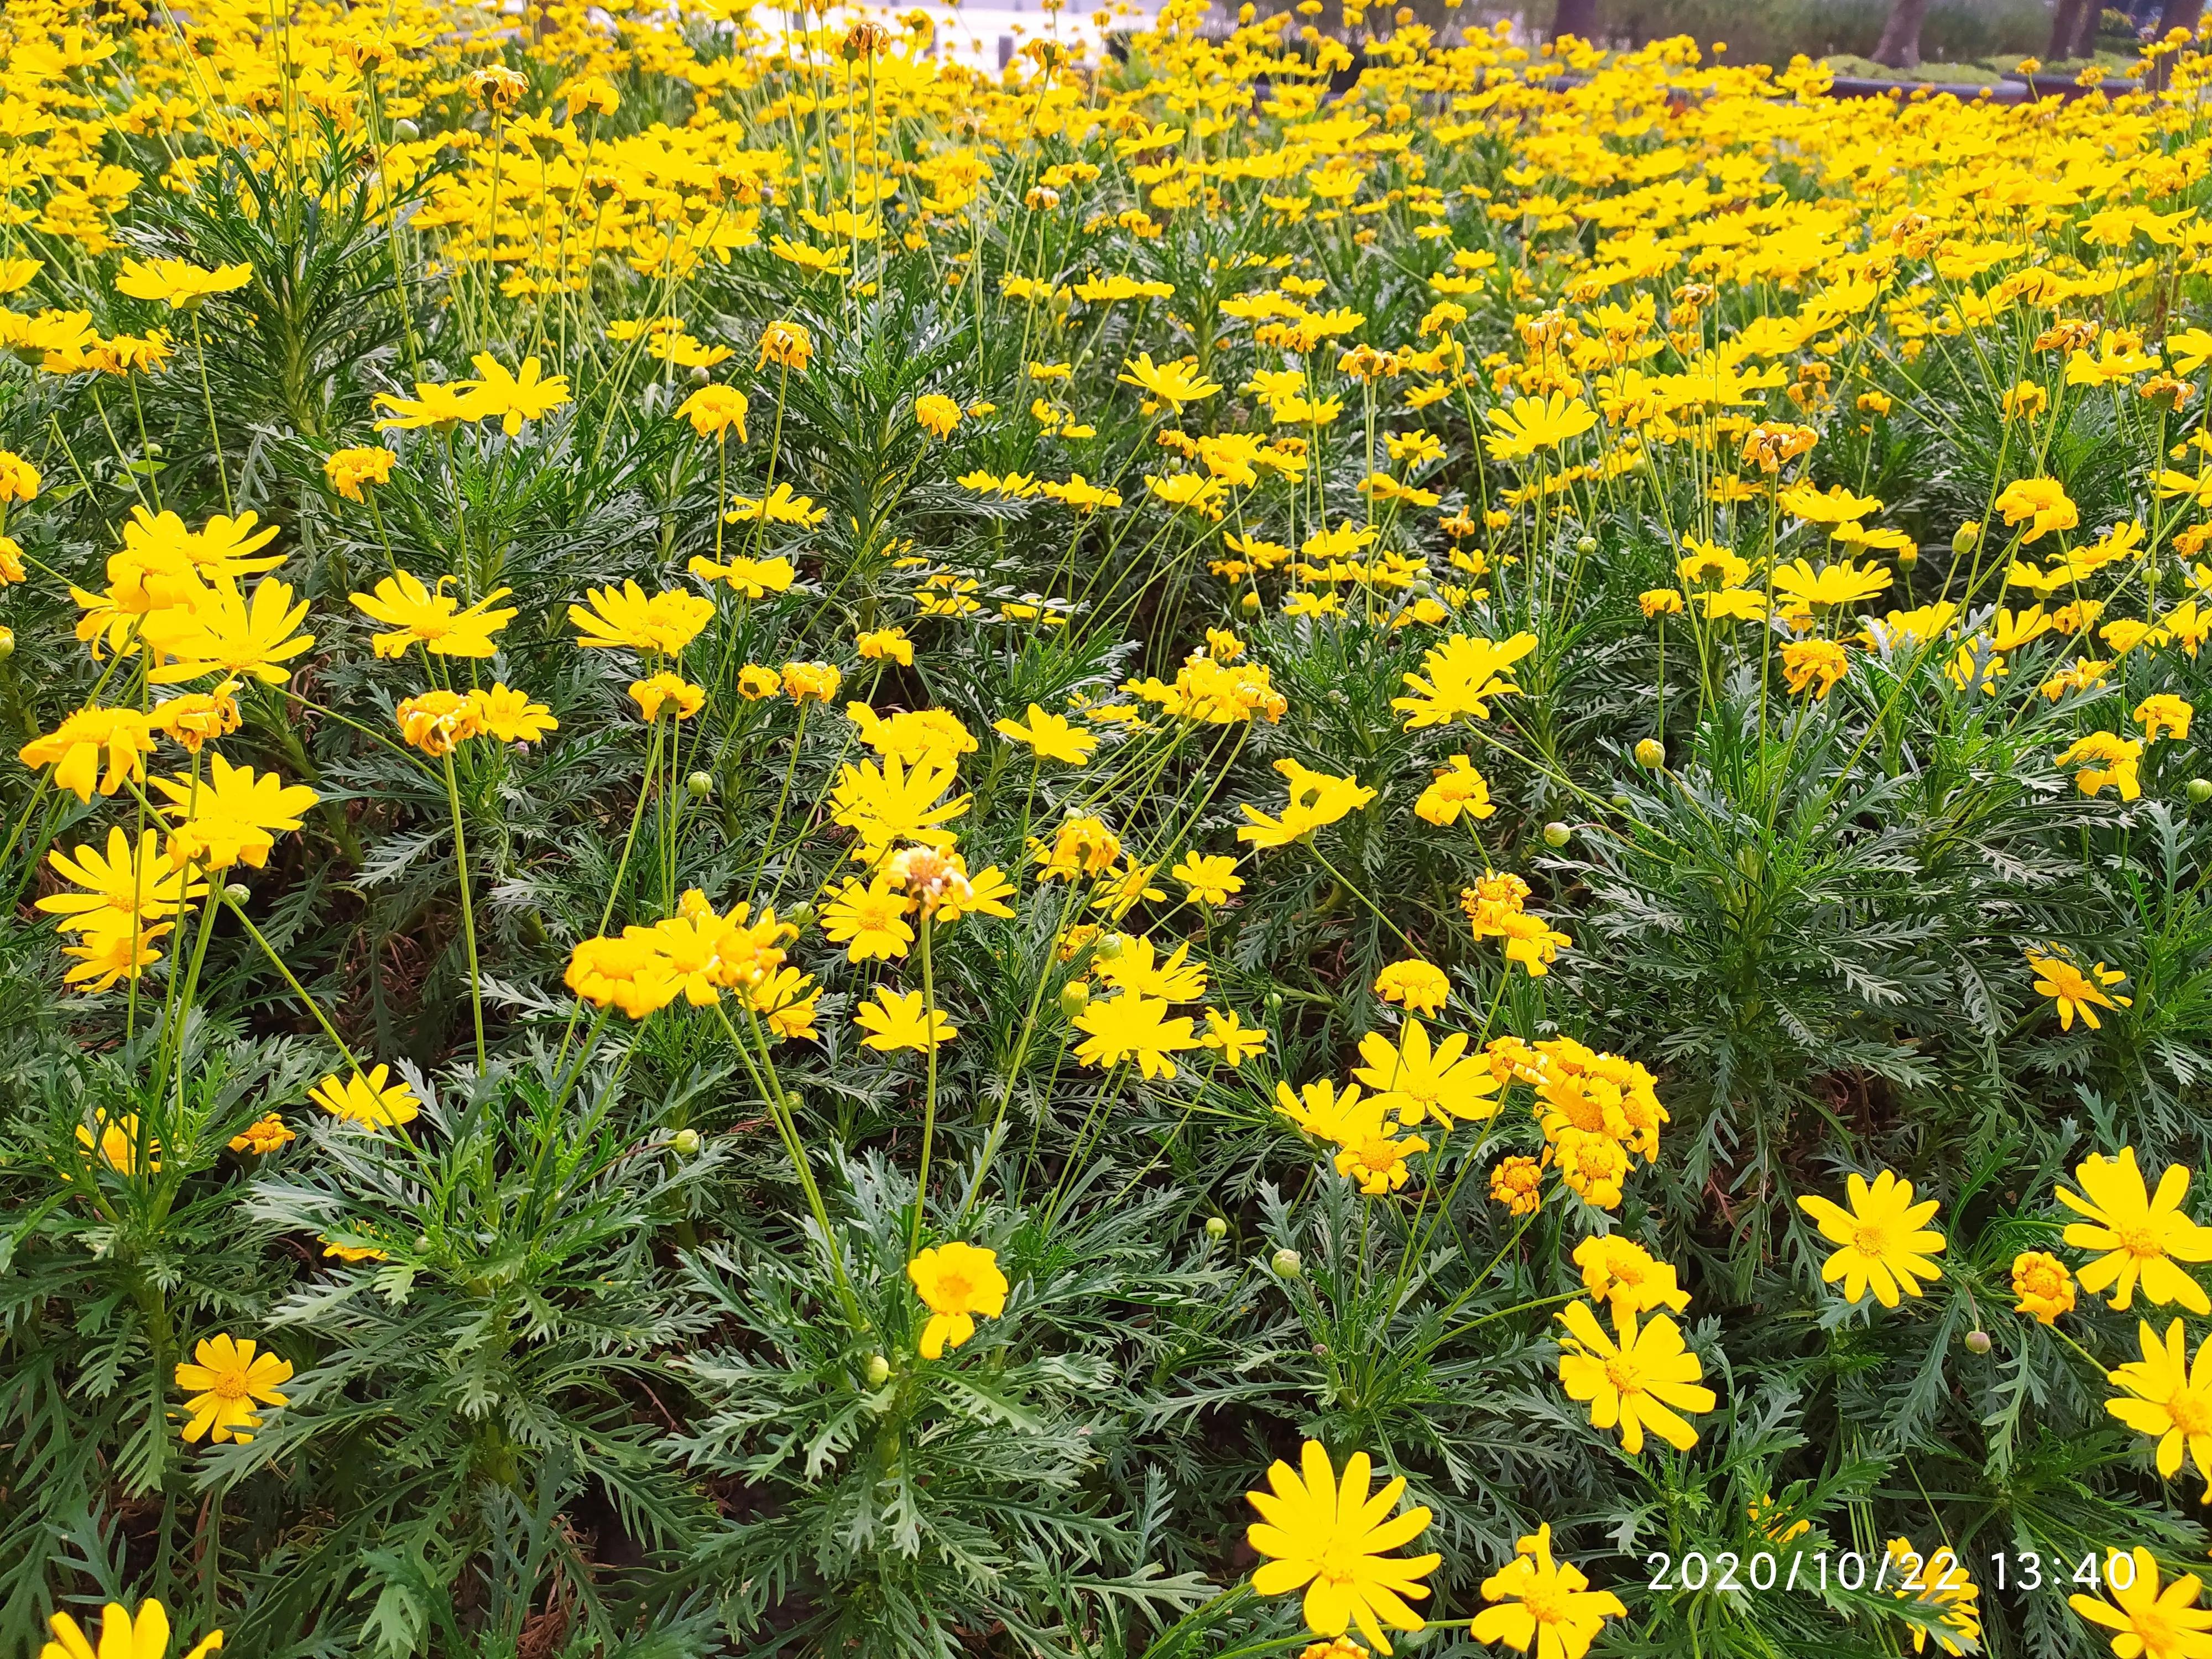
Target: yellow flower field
(1325, 839)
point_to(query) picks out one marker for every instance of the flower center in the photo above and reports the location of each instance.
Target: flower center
(230, 1385)
(2190, 1411)
(1871, 1238)
(1546, 1606)
(954, 1290)
(2140, 1242)
(1622, 1372)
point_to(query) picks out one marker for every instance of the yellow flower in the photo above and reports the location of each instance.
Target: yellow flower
(955, 1282)
(1229, 1036)
(1132, 1026)
(1459, 677)
(1328, 1537)
(1375, 1157)
(118, 1140)
(1805, 661)
(178, 283)
(348, 469)
(869, 921)
(19, 479)
(2104, 757)
(1421, 1082)
(2144, 1237)
(1624, 1276)
(226, 1383)
(439, 404)
(438, 722)
(1530, 425)
(230, 816)
(626, 973)
(2163, 712)
(226, 633)
(1051, 737)
(666, 622)
(1457, 787)
(1883, 1243)
(895, 804)
(112, 950)
(75, 747)
(1172, 384)
(1518, 1183)
(2152, 1624)
(1593, 1165)
(1412, 984)
(119, 885)
(1545, 1605)
(122, 1637)
(786, 343)
(1645, 1380)
(2040, 503)
(510, 716)
(886, 644)
(671, 691)
(2043, 1285)
(370, 1101)
(750, 578)
(1210, 878)
(1660, 602)
(936, 413)
(1317, 799)
(1843, 583)
(265, 1134)
(2168, 1397)
(2075, 990)
(513, 398)
(434, 619)
(897, 1020)
(1946, 1593)
(716, 411)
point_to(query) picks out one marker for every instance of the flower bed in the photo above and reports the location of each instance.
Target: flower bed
(811, 854)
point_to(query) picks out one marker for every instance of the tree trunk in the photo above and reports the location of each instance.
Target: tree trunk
(1579, 19)
(2176, 14)
(2065, 24)
(2084, 42)
(1899, 45)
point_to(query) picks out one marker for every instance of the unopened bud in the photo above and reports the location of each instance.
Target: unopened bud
(1074, 998)
(1968, 534)
(2200, 790)
(880, 1370)
(7, 643)
(1250, 604)
(1907, 557)
(1620, 801)
(800, 915)
(405, 130)
(1586, 545)
(1108, 948)
(1287, 1263)
(687, 1142)
(237, 892)
(1978, 1341)
(1556, 834)
(1652, 754)
(1216, 1227)
(701, 784)
(699, 375)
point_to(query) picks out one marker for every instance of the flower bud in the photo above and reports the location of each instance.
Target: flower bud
(1652, 754)
(405, 130)
(1556, 834)
(7, 643)
(2200, 790)
(699, 375)
(237, 892)
(687, 1142)
(1108, 947)
(1907, 557)
(701, 784)
(1586, 545)
(1074, 998)
(1978, 1341)
(1216, 1227)
(880, 1370)
(800, 915)
(1250, 604)
(1620, 801)
(1287, 1263)
(1968, 534)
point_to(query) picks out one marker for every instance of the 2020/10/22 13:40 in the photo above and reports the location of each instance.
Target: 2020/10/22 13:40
(1907, 1570)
